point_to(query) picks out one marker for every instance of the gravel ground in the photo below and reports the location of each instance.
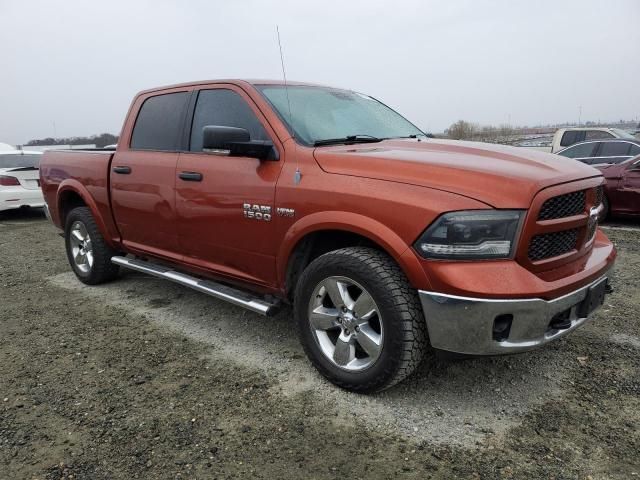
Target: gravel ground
(144, 379)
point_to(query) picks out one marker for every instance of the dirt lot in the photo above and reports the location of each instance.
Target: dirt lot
(144, 379)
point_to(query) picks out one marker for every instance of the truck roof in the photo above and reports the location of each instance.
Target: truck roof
(235, 81)
(587, 128)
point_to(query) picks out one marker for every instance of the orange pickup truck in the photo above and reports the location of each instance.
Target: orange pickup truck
(385, 242)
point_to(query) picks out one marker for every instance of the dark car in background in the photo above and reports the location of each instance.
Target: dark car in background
(599, 152)
(622, 188)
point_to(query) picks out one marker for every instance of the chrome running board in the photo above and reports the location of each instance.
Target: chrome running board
(217, 290)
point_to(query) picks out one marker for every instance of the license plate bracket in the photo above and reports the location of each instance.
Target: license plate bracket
(593, 300)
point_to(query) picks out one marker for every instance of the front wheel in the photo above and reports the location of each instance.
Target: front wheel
(359, 320)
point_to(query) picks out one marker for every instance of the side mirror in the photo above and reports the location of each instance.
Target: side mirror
(235, 142)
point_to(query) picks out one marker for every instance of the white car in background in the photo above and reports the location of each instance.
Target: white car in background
(565, 137)
(20, 179)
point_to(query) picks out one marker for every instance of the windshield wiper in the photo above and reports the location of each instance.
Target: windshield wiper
(347, 140)
(413, 135)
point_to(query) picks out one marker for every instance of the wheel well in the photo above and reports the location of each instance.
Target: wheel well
(315, 244)
(68, 201)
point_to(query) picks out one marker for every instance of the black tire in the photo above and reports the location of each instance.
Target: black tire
(605, 209)
(404, 342)
(101, 270)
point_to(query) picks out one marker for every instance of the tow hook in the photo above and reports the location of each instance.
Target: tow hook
(608, 288)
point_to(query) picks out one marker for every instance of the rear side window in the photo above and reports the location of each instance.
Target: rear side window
(614, 149)
(635, 150)
(20, 160)
(579, 151)
(597, 135)
(225, 108)
(159, 123)
(570, 137)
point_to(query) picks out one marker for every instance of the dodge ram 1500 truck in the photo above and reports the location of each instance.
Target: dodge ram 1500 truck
(384, 241)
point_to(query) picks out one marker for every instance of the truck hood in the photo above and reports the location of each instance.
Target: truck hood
(500, 176)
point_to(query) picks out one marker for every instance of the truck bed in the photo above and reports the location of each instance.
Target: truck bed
(86, 171)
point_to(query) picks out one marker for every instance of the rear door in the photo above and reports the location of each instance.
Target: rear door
(143, 174)
(212, 191)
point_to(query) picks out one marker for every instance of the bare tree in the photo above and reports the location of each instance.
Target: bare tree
(461, 130)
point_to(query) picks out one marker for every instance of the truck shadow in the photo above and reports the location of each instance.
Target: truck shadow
(460, 401)
(22, 215)
(625, 222)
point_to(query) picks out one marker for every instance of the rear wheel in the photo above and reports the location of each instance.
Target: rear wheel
(87, 252)
(359, 320)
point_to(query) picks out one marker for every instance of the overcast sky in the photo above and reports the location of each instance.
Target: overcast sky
(77, 64)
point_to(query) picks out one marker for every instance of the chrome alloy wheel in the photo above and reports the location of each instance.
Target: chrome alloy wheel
(81, 249)
(346, 323)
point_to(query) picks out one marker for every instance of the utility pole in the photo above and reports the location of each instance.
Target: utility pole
(579, 115)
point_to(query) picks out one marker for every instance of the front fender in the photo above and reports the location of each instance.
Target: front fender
(362, 225)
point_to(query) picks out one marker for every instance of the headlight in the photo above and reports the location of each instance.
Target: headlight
(471, 234)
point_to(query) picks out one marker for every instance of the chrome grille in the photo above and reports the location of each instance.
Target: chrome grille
(591, 230)
(549, 245)
(563, 206)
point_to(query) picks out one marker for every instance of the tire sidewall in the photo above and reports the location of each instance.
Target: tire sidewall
(388, 361)
(102, 269)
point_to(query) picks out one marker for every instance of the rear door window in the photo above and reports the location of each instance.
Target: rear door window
(571, 136)
(634, 150)
(24, 160)
(225, 108)
(159, 123)
(614, 149)
(597, 135)
(583, 150)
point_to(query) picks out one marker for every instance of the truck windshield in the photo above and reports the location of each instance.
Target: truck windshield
(12, 160)
(324, 116)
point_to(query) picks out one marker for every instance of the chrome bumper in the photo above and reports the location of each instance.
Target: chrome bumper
(467, 325)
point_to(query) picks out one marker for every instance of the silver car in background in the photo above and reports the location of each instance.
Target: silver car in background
(602, 152)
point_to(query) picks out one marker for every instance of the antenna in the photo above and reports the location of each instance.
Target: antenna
(298, 176)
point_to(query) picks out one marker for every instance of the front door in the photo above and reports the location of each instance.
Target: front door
(225, 205)
(629, 193)
(143, 177)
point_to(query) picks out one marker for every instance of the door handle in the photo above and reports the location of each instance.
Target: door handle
(190, 176)
(122, 170)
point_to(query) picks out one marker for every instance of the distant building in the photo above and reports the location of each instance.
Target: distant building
(42, 148)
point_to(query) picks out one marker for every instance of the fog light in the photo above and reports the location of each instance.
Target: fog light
(502, 327)
(561, 321)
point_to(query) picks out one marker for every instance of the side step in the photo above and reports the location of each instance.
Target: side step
(217, 290)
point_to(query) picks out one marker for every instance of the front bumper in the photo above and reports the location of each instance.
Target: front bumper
(478, 326)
